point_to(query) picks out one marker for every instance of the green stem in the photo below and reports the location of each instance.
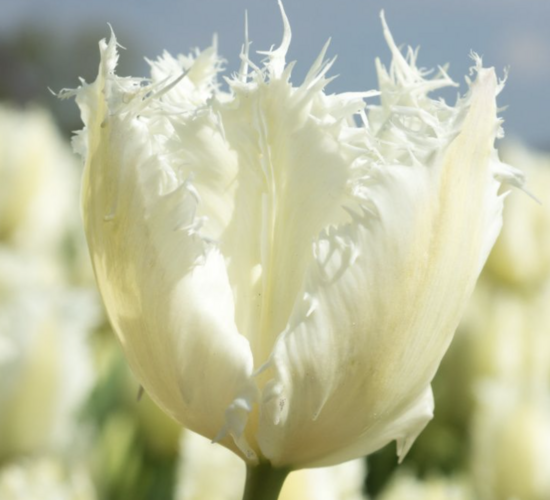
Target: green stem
(264, 482)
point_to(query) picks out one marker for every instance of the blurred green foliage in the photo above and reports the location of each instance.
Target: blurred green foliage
(136, 445)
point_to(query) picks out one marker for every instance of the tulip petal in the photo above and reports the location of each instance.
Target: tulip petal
(384, 292)
(164, 286)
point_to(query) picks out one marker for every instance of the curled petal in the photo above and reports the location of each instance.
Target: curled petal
(382, 299)
(161, 282)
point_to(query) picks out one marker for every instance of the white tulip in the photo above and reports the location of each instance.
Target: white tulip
(284, 280)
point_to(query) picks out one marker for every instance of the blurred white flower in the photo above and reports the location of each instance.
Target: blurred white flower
(406, 487)
(521, 256)
(201, 461)
(7, 350)
(45, 479)
(38, 181)
(506, 336)
(48, 370)
(282, 279)
(511, 443)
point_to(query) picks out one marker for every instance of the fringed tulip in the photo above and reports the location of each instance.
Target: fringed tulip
(286, 268)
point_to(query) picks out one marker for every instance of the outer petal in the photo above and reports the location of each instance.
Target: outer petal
(165, 289)
(382, 300)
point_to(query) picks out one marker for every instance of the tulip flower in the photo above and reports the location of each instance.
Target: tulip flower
(285, 268)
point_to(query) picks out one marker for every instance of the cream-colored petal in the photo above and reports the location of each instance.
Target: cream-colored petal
(292, 180)
(272, 167)
(164, 287)
(383, 297)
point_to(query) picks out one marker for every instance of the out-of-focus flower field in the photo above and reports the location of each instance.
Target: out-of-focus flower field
(74, 424)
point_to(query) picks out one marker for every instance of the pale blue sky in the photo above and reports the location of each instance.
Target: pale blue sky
(506, 32)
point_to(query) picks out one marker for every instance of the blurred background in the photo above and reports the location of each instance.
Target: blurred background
(49, 43)
(71, 423)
